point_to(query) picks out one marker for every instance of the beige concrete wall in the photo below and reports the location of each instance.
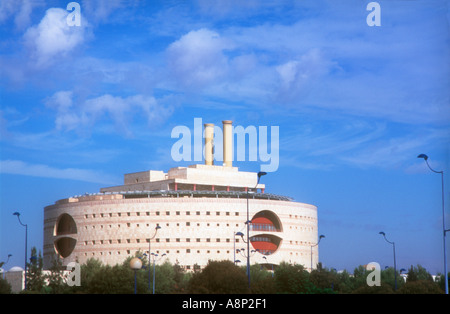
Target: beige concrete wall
(193, 230)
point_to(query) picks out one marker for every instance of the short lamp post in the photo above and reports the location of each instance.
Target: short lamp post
(234, 246)
(265, 258)
(26, 244)
(425, 157)
(135, 264)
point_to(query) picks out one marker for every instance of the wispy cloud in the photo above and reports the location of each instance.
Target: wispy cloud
(44, 171)
(82, 116)
(400, 150)
(19, 11)
(359, 143)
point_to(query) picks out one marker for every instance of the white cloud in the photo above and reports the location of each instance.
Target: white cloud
(298, 76)
(198, 58)
(120, 110)
(53, 37)
(44, 171)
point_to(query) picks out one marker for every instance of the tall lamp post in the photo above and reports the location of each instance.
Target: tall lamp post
(260, 174)
(149, 253)
(320, 238)
(26, 243)
(154, 269)
(395, 263)
(425, 157)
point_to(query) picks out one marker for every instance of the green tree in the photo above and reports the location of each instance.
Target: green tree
(87, 272)
(345, 282)
(292, 279)
(419, 281)
(181, 279)
(262, 281)
(388, 278)
(359, 277)
(420, 287)
(418, 273)
(165, 278)
(117, 279)
(219, 277)
(35, 276)
(56, 282)
(5, 287)
(441, 280)
(324, 278)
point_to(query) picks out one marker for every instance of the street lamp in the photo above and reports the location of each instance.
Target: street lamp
(265, 258)
(425, 157)
(26, 243)
(260, 174)
(320, 237)
(149, 252)
(135, 264)
(154, 269)
(234, 247)
(4, 263)
(395, 264)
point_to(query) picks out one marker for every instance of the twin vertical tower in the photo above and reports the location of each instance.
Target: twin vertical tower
(227, 143)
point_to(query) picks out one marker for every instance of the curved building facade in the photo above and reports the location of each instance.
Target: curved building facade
(192, 214)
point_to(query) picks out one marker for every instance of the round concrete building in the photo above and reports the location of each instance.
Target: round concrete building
(192, 214)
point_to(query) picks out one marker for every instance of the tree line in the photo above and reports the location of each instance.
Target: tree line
(220, 277)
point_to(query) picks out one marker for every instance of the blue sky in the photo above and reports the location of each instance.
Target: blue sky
(82, 105)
